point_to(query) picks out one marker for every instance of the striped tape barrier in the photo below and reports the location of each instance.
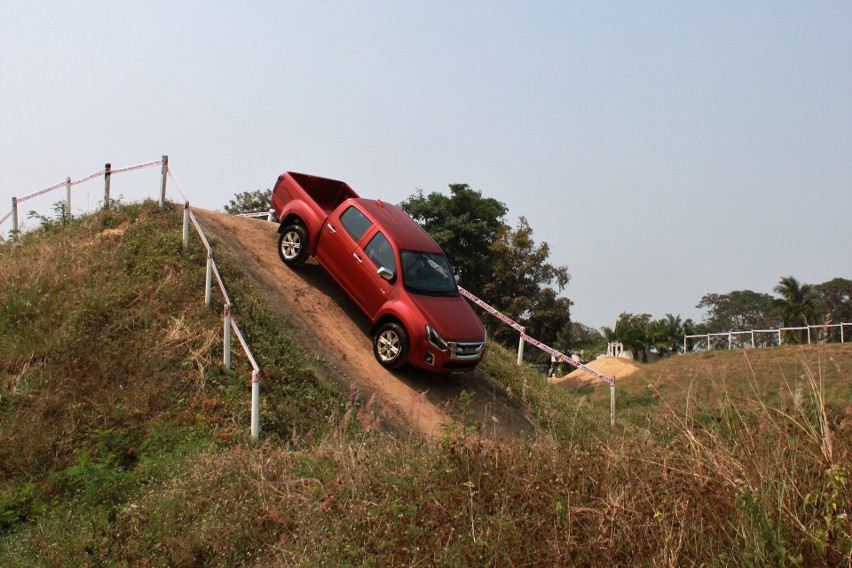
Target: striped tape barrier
(532, 341)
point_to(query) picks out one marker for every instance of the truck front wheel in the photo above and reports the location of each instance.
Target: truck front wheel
(293, 245)
(390, 346)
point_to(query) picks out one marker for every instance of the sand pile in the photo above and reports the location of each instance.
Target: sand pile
(611, 366)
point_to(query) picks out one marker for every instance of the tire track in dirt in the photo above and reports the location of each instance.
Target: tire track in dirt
(319, 317)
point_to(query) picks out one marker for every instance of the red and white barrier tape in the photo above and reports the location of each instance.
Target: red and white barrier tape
(87, 178)
(504, 318)
(40, 192)
(180, 189)
(532, 341)
(258, 214)
(246, 349)
(564, 358)
(3, 220)
(198, 230)
(221, 284)
(137, 167)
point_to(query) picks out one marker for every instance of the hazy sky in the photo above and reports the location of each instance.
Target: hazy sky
(664, 150)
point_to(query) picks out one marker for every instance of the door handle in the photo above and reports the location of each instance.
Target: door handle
(330, 228)
(358, 258)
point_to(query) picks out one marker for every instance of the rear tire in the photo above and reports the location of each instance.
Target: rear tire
(293, 246)
(390, 345)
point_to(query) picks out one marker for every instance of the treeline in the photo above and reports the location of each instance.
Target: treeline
(794, 305)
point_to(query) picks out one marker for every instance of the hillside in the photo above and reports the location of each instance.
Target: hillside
(123, 441)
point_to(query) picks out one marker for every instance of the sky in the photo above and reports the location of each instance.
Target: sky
(663, 149)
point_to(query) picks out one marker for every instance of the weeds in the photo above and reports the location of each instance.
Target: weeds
(139, 454)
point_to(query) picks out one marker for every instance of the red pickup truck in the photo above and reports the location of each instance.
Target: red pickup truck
(388, 265)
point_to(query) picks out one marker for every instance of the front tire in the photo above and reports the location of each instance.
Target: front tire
(293, 246)
(390, 345)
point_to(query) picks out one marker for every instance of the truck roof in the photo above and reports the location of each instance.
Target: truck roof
(400, 228)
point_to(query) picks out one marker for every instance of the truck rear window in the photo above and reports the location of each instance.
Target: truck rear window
(355, 223)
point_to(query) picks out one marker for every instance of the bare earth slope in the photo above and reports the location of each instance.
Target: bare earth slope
(317, 314)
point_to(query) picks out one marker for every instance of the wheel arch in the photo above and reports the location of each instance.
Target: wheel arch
(385, 319)
(291, 219)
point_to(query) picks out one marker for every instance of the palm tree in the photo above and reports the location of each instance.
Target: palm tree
(668, 334)
(797, 304)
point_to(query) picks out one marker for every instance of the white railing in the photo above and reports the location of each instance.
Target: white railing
(188, 217)
(734, 337)
(547, 349)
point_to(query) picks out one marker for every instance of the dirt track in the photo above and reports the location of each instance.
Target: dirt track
(319, 316)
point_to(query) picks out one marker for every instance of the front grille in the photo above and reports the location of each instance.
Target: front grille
(465, 351)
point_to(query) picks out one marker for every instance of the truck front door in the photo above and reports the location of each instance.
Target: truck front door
(369, 289)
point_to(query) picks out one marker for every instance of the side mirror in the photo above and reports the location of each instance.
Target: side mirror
(386, 273)
(456, 277)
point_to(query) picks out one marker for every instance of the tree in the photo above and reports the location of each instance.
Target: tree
(250, 202)
(668, 334)
(548, 316)
(518, 281)
(465, 225)
(835, 300)
(797, 304)
(635, 332)
(739, 310)
(580, 338)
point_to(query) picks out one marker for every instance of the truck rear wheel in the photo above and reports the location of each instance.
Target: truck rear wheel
(390, 346)
(293, 245)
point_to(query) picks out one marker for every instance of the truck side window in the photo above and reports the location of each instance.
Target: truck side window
(355, 223)
(380, 252)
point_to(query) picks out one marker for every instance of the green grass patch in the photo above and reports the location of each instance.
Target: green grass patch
(123, 440)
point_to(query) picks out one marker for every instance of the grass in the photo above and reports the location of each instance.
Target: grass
(123, 440)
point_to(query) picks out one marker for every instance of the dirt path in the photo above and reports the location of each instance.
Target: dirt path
(322, 319)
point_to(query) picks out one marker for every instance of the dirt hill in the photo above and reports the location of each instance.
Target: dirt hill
(612, 366)
(314, 311)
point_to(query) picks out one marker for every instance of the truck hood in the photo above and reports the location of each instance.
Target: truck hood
(452, 318)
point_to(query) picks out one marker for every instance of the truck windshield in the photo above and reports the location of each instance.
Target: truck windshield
(427, 273)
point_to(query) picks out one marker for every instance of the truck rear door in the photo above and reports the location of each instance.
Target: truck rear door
(337, 249)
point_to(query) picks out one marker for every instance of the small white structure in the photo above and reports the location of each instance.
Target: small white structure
(615, 349)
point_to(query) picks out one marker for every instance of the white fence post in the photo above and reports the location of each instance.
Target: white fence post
(612, 404)
(255, 404)
(15, 219)
(107, 170)
(163, 186)
(226, 340)
(209, 282)
(269, 215)
(809, 335)
(68, 197)
(841, 332)
(186, 226)
(780, 340)
(521, 350)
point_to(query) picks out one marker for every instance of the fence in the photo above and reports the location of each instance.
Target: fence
(547, 349)
(229, 323)
(524, 338)
(734, 338)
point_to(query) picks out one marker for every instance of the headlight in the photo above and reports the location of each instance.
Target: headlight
(435, 340)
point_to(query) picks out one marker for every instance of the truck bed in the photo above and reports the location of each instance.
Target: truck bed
(327, 193)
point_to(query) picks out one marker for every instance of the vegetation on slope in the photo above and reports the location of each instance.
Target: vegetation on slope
(122, 440)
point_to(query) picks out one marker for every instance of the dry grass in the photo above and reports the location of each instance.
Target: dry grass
(135, 454)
